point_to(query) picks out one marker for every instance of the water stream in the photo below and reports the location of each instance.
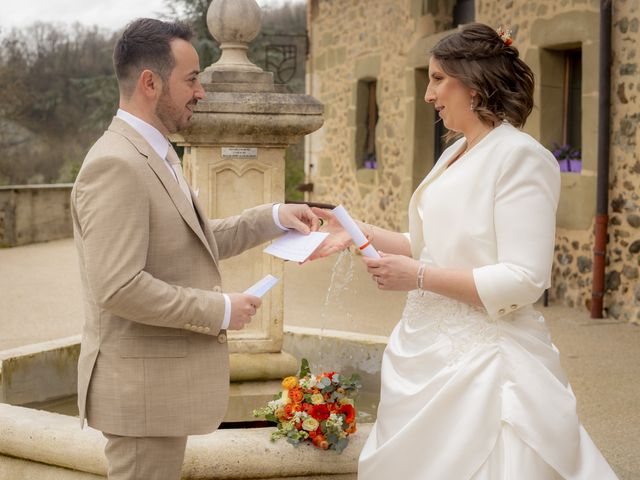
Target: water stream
(341, 293)
(341, 277)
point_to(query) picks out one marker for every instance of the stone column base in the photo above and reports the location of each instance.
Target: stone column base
(255, 379)
(253, 367)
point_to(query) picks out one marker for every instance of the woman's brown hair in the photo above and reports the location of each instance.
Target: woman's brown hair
(483, 62)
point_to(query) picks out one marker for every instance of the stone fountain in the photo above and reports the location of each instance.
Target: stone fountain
(234, 157)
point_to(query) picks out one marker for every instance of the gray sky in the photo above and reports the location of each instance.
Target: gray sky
(110, 14)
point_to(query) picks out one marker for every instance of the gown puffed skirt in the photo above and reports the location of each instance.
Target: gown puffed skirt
(464, 396)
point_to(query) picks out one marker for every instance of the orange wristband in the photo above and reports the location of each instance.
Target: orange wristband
(365, 245)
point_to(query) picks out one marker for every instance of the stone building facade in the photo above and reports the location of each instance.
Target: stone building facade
(368, 64)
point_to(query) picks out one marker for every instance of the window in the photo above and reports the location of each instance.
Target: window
(366, 121)
(429, 131)
(439, 143)
(561, 105)
(572, 99)
(429, 7)
(464, 11)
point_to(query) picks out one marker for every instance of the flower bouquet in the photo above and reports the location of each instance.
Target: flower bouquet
(317, 409)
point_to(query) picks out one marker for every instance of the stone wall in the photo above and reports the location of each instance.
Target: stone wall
(572, 273)
(34, 213)
(389, 40)
(353, 40)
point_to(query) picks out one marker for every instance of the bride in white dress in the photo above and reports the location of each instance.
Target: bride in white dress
(472, 387)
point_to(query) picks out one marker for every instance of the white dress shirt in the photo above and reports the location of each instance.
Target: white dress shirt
(161, 146)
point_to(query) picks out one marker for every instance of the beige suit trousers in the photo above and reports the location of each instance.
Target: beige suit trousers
(144, 458)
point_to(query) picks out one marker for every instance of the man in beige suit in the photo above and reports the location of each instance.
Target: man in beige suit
(153, 365)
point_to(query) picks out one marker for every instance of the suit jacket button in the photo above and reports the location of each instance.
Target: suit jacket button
(502, 311)
(222, 338)
(217, 289)
(207, 329)
(514, 306)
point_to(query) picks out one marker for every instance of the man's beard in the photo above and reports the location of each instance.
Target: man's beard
(166, 112)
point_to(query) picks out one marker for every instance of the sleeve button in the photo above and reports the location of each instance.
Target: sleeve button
(502, 311)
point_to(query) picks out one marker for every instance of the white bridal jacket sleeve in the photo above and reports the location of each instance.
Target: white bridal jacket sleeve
(492, 211)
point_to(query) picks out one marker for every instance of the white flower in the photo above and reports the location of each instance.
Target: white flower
(299, 417)
(275, 404)
(334, 420)
(308, 382)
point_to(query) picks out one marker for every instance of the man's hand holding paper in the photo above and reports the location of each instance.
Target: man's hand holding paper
(298, 217)
(243, 307)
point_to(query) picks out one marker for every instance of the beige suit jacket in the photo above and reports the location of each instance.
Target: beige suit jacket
(153, 360)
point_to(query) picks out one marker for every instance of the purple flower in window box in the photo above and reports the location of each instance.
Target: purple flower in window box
(370, 164)
(569, 158)
(370, 161)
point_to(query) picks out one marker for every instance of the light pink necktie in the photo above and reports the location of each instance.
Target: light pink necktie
(174, 161)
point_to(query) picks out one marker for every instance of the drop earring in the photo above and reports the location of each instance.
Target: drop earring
(472, 107)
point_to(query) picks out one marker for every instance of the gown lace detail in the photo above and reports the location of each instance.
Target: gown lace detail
(464, 326)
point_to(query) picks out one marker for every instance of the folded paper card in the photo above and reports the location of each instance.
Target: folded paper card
(262, 286)
(295, 246)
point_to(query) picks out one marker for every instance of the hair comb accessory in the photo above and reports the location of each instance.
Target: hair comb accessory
(505, 35)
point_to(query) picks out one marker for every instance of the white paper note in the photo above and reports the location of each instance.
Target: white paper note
(356, 234)
(295, 246)
(261, 287)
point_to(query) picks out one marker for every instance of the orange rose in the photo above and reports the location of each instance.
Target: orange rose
(320, 441)
(280, 413)
(290, 409)
(351, 429)
(296, 395)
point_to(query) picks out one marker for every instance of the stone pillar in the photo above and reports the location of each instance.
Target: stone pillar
(234, 157)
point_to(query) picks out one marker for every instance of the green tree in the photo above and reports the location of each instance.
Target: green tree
(57, 94)
(58, 91)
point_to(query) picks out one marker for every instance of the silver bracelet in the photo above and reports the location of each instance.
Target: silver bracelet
(420, 279)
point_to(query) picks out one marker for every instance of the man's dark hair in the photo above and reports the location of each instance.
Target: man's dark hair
(145, 44)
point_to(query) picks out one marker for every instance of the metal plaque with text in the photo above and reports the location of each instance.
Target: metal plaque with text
(239, 152)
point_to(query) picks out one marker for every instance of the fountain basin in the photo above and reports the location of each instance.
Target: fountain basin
(54, 447)
(36, 443)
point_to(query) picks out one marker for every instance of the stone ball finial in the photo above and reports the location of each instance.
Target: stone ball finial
(234, 23)
(234, 20)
